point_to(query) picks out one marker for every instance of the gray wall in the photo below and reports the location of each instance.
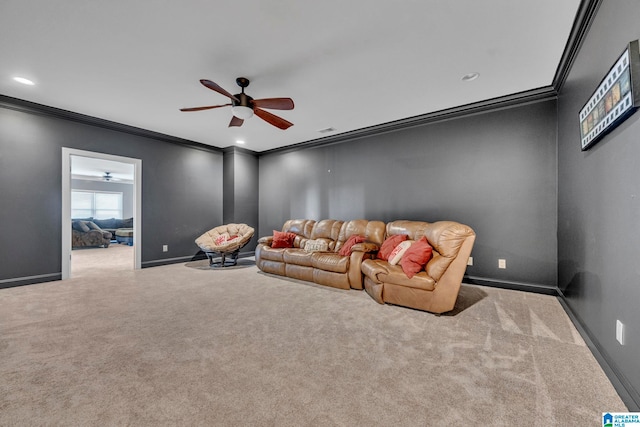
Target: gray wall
(599, 202)
(181, 190)
(494, 171)
(240, 191)
(115, 187)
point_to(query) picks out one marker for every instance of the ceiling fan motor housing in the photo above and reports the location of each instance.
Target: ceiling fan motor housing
(243, 107)
(245, 100)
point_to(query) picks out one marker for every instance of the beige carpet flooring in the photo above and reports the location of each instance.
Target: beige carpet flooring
(187, 345)
(88, 262)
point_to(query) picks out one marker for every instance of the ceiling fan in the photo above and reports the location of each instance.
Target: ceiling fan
(108, 177)
(243, 106)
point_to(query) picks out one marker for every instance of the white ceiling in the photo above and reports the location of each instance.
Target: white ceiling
(346, 64)
(93, 169)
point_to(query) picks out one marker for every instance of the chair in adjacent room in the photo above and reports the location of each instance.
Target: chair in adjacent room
(222, 244)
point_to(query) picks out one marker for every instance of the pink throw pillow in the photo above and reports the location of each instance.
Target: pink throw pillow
(416, 257)
(389, 245)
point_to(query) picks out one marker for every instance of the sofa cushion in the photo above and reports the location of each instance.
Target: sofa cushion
(272, 254)
(398, 252)
(110, 223)
(296, 256)
(390, 244)
(282, 239)
(346, 249)
(317, 245)
(382, 272)
(328, 229)
(330, 261)
(416, 257)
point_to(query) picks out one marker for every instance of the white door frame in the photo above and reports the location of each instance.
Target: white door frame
(66, 204)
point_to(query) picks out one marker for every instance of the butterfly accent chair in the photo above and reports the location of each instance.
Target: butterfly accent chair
(225, 240)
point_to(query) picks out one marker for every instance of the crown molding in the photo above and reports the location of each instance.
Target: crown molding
(581, 24)
(29, 107)
(508, 101)
(241, 150)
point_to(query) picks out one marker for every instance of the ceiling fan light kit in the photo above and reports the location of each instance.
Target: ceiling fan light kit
(242, 112)
(244, 107)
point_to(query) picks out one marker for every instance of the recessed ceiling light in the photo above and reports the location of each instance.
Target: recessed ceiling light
(239, 141)
(470, 77)
(24, 81)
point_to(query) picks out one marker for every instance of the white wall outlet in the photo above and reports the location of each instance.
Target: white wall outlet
(165, 248)
(502, 263)
(470, 261)
(620, 332)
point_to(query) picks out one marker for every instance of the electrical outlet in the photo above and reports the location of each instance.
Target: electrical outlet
(165, 248)
(502, 263)
(620, 332)
(470, 261)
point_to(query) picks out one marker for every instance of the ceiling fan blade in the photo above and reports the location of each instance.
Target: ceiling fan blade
(274, 103)
(278, 122)
(235, 121)
(214, 86)
(204, 108)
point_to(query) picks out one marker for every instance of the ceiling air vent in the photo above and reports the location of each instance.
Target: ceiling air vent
(327, 130)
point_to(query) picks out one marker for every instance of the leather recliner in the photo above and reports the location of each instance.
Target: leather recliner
(434, 289)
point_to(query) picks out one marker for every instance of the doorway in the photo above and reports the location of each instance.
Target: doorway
(68, 156)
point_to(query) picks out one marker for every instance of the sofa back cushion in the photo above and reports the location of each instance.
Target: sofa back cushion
(328, 230)
(301, 227)
(110, 223)
(373, 231)
(446, 238)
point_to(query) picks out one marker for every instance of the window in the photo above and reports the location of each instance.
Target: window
(96, 204)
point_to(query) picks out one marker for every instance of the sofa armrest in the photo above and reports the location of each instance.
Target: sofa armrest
(365, 247)
(266, 240)
(355, 267)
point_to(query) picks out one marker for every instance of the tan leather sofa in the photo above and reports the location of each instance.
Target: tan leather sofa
(434, 289)
(327, 267)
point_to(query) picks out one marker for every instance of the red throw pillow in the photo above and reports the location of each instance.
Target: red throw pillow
(345, 250)
(389, 245)
(282, 239)
(416, 257)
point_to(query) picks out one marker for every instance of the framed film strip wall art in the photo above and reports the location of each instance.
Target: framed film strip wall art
(615, 99)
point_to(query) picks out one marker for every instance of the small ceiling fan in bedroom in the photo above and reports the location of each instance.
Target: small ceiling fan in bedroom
(243, 106)
(108, 177)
